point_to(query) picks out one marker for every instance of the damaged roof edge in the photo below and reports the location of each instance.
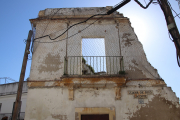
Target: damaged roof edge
(84, 11)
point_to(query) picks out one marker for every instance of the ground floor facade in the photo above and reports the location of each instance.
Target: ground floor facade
(105, 98)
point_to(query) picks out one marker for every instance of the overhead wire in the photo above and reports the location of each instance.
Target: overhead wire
(172, 8)
(145, 7)
(24, 41)
(117, 6)
(49, 21)
(177, 15)
(73, 34)
(69, 28)
(8, 78)
(175, 40)
(50, 17)
(32, 43)
(155, 2)
(170, 37)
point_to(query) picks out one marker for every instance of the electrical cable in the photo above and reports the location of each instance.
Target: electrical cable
(172, 8)
(170, 37)
(175, 40)
(66, 30)
(117, 6)
(177, 15)
(69, 28)
(73, 34)
(44, 30)
(178, 59)
(145, 7)
(32, 44)
(29, 57)
(108, 13)
(24, 41)
(177, 46)
(49, 21)
(155, 2)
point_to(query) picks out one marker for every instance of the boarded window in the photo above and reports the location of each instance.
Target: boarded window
(95, 117)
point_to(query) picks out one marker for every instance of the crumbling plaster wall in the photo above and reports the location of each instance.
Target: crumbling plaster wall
(48, 58)
(48, 102)
(135, 61)
(54, 103)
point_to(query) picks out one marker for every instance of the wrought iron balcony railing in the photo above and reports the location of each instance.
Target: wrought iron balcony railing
(93, 65)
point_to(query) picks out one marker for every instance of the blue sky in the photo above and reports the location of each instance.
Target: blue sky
(149, 25)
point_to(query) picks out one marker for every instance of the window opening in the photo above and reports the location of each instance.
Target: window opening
(0, 106)
(94, 56)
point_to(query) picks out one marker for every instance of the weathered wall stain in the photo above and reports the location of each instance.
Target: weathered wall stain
(76, 116)
(157, 109)
(126, 40)
(60, 117)
(137, 74)
(48, 91)
(78, 82)
(134, 61)
(52, 63)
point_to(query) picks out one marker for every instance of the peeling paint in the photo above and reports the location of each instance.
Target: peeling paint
(50, 93)
(59, 117)
(90, 83)
(137, 74)
(167, 110)
(127, 41)
(52, 63)
(134, 61)
(79, 82)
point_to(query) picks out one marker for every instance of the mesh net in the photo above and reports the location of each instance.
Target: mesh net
(98, 46)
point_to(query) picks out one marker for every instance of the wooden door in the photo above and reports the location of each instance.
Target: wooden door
(95, 117)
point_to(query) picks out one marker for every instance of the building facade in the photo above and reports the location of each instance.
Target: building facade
(66, 85)
(7, 98)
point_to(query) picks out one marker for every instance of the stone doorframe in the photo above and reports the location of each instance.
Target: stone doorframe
(93, 110)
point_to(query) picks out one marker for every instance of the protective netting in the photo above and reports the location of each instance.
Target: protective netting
(99, 46)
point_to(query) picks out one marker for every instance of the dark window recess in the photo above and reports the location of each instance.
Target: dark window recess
(95, 117)
(0, 106)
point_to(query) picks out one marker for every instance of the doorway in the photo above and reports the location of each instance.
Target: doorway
(95, 117)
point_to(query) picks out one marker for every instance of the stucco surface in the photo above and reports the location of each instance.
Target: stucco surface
(120, 40)
(53, 103)
(51, 96)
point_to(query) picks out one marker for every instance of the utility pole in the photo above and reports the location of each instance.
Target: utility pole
(21, 79)
(171, 24)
